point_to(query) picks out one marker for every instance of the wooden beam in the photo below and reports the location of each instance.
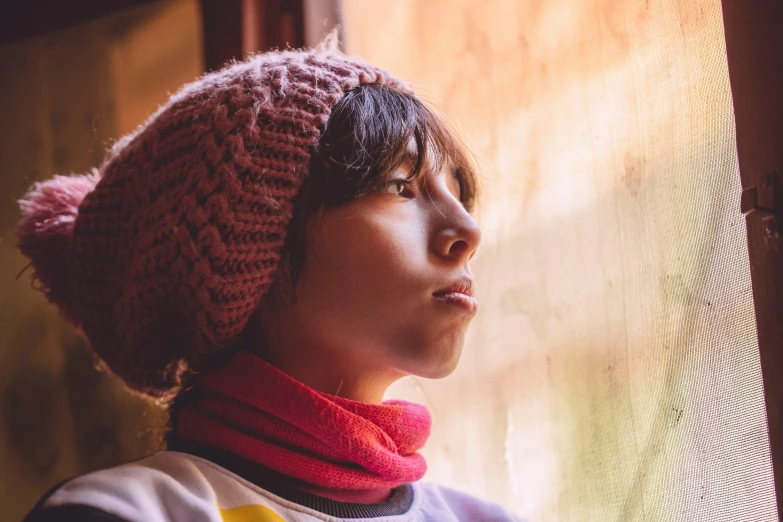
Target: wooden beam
(755, 55)
(21, 20)
(233, 28)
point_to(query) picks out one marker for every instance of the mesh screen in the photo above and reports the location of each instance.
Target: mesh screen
(613, 372)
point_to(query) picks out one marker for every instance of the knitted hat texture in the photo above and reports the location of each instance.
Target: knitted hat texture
(161, 255)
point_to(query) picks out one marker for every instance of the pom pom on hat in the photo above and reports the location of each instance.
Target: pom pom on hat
(49, 211)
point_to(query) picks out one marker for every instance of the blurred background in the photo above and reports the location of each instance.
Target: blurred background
(613, 372)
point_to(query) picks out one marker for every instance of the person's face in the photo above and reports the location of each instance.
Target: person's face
(386, 281)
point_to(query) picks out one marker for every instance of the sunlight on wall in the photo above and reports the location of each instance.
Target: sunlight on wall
(613, 371)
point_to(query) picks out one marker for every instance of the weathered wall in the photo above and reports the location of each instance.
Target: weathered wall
(612, 373)
(64, 97)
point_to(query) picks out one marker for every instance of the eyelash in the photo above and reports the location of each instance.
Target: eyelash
(407, 184)
(401, 183)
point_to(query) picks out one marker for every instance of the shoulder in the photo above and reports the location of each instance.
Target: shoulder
(442, 503)
(164, 487)
(156, 488)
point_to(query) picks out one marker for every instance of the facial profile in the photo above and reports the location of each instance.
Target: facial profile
(384, 288)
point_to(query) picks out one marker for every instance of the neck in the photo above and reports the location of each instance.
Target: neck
(351, 374)
(332, 373)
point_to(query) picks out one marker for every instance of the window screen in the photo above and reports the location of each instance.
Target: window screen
(613, 371)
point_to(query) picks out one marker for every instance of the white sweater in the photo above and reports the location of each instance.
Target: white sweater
(172, 486)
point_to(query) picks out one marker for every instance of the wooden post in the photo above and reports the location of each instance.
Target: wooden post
(233, 28)
(755, 54)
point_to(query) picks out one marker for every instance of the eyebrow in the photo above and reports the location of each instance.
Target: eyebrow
(411, 154)
(411, 158)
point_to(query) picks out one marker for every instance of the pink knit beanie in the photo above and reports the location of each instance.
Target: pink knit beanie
(161, 255)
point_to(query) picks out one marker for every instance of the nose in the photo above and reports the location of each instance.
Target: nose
(458, 237)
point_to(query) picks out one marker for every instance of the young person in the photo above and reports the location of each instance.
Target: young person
(272, 249)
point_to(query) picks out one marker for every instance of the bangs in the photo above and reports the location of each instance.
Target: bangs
(373, 131)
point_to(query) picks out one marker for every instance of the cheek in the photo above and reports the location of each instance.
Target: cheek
(368, 256)
(364, 276)
(367, 285)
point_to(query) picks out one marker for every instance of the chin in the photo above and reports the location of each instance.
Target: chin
(441, 362)
(440, 373)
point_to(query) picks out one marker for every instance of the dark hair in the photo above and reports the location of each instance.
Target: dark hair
(370, 133)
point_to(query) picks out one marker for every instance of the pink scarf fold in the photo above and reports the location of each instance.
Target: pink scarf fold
(251, 409)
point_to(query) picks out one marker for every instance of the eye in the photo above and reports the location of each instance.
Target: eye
(398, 187)
(456, 183)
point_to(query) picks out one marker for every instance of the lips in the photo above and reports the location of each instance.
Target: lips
(462, 286)
(459, 295)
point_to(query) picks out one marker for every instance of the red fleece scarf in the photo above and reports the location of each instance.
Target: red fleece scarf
(253, 410)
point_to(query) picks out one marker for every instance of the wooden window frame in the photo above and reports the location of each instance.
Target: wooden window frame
(234, 28)
(755, 56)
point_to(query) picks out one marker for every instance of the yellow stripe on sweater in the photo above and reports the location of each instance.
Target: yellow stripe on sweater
(250, 513)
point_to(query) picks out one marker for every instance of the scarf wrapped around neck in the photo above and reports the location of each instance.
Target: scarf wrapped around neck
(255, 411)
